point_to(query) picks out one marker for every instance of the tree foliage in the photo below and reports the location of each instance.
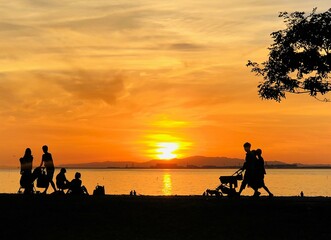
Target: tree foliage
(299, 58)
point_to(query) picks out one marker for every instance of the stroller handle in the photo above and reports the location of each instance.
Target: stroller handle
(239, 171)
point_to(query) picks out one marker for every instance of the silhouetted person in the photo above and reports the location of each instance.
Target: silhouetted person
(260, 172)
(133, 193)
(76, 187)
(301, 194)
(26, 180)
(47, 160)
(62, 182)
(248, 166)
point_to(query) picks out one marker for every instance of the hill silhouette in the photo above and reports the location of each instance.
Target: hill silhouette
(188, 162)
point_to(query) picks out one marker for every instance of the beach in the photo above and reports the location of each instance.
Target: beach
(163, 217)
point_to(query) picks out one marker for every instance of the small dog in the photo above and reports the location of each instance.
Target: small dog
(211, 192)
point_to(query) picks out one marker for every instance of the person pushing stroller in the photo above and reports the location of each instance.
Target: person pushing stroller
(254, 171)
(249, 169)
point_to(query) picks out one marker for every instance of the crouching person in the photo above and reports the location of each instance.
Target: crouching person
(76, 186)
(61, 181)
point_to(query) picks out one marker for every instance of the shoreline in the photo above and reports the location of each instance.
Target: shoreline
(164, 217)
(176, 196)
(188, 168)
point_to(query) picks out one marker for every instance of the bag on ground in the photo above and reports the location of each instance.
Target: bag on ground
(99, 190)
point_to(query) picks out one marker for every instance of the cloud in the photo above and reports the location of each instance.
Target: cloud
(101, 24)
(58, 94)
(11, 27)
(185, 47)
(92, 85)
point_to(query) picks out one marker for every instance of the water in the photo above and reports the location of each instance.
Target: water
(282, 182)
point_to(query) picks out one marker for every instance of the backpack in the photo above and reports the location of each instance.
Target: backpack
(99, 190)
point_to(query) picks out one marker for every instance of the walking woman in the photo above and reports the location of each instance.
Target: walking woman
(260, 172)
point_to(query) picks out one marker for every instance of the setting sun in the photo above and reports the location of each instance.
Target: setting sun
(166, 150)
(166, 146)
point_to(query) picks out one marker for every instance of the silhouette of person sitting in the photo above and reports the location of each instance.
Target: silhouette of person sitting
(47, 160)
(62, 182)
(260, 172)
(76, 187)
(26, 180)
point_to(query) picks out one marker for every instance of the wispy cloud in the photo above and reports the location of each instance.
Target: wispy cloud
(92, 85)
(111, 66)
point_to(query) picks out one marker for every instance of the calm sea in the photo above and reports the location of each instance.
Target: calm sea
(282, 182)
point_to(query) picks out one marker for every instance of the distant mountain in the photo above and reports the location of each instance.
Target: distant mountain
(105, 164)
(189, 162)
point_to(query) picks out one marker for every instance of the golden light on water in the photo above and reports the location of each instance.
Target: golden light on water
(167, 184)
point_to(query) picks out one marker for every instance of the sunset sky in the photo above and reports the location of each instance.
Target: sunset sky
(138, 80)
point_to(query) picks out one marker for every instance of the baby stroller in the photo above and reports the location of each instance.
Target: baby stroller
(228, 185)
(27, 181)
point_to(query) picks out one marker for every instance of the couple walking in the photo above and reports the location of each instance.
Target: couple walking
(254, 171)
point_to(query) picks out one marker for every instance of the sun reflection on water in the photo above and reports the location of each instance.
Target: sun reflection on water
(167, 184)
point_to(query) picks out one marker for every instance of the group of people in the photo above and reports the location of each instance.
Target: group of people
(74, 186)
(28, 176)
(254, 171)
(253, 177)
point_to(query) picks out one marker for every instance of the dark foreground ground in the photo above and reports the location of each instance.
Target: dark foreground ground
(177, 217)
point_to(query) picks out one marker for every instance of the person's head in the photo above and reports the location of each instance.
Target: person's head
(258, 152)
(247, 147)
(77, 175)
(27, 152)
(63, 170)
(45, 149)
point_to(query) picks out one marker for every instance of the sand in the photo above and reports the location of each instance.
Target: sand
(160, 217)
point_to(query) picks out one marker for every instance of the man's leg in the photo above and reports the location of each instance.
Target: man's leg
(242, 186)
(267, 190)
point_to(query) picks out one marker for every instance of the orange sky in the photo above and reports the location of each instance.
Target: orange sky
(104, 80)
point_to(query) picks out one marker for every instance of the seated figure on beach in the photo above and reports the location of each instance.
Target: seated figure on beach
(62, 182)
(76, 187)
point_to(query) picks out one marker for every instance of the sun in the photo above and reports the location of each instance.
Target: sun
(166, 150)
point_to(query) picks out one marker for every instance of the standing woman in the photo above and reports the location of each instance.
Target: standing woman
(26, 162)
(47, 160)
(26, 171)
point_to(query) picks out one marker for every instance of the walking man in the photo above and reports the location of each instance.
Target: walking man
(47, 160)
(248, 166)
